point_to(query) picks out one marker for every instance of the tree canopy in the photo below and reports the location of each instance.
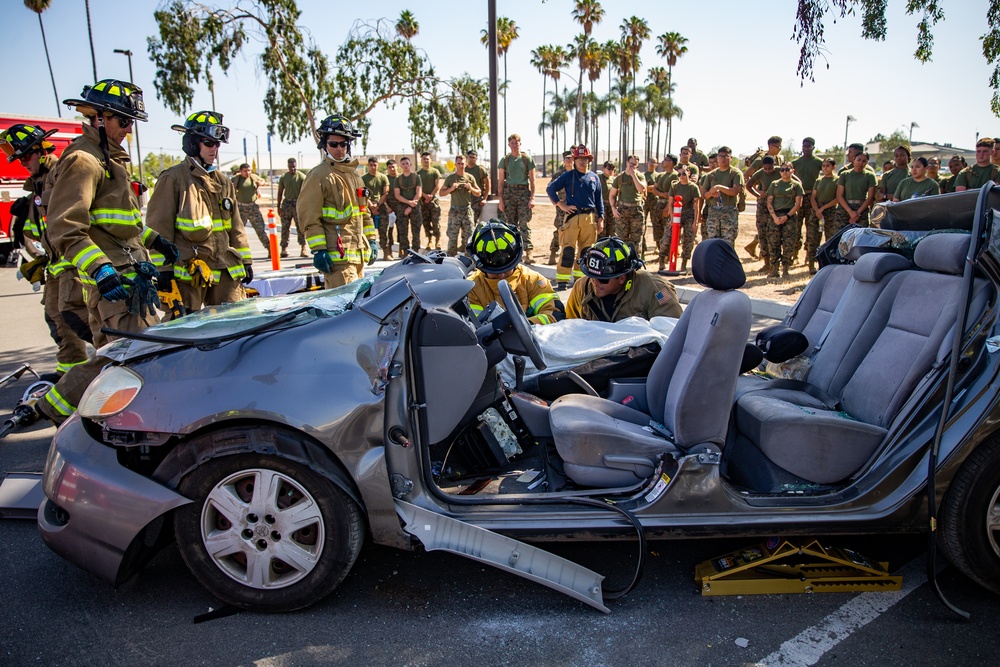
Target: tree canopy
(811, 15)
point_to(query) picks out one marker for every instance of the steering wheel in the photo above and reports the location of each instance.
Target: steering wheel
(521, 325)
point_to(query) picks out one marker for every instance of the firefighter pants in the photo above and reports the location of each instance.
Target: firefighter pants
(66, 315)
(578, 232)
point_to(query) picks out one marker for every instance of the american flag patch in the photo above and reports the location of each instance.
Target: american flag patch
(662, 297)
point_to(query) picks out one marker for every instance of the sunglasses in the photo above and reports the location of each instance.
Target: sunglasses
(338, 144)
(784, 169)
(123, 121)
(209, 143)
(603, 281)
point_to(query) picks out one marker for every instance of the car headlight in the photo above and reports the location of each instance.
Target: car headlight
(110, 393)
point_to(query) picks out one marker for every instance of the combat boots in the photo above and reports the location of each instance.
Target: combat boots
(663, 264)
(784, 273)
(751, 248)
(552, 257)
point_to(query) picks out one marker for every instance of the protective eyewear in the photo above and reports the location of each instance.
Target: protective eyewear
(338, 144)
(123, 121)
(209, 143)
(603, 281)
(220, 132)
(784, 169)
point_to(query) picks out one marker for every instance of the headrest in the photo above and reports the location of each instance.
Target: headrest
(752, 356)
(780, 343)
(944, 253)
(872, 267)
(716, 265)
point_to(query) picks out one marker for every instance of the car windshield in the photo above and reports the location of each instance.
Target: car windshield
(232, 318)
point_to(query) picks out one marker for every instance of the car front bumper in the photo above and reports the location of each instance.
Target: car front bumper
(96, 511)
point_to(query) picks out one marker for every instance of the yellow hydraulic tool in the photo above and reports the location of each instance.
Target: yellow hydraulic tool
(172, 301)
(779, 566)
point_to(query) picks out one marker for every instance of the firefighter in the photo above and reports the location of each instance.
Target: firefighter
(496, 249)
(93, 220)
(194, 206)
(333, 207)
(65, 310)
(617, 287)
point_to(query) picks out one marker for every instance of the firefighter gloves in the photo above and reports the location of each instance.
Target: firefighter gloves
(322, 261)
(373, 246)
(109, 283)
(167, 249)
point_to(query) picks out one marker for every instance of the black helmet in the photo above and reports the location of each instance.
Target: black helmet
(495, 247)
(336, 124)
(21, 140)
(609, 258)
(201, 125)
(113, 96)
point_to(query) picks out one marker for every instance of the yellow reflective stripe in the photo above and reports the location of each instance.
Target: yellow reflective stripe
(193, 225)
(56, 268)
(543, 319)
(562, 277)
(86, 257)
(338, 213)
(146, 234)
(58, 403)
(536, 304)
(317, 242)
(181, 273)
(237, 272)
(476, 309)
(157, 258)
(369, 230)
(63, 367)
(244, 253)
(577, 273)
(115, 216)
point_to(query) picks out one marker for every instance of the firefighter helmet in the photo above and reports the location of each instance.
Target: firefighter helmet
(112, 96)
(582, 151)
(201, 125)
(21, 140)
(609, 258)
(495, 247)
(336, 124)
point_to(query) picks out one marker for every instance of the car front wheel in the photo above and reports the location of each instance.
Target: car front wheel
(970, 517)
(265, 533)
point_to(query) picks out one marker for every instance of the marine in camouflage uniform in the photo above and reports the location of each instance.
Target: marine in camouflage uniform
(649, 205)
(824, 192)
(482, 176)
(723, 218)
(605, 176)
(246, 199)
(807, 169)
(627, 198)
(784, 198)
(690, 195)
(462, 186)
(378, 189)
(856, 190)
(757, 185)
(289, 186)
(406, 199)
(663, 208)
(430, 205)
(516, 175)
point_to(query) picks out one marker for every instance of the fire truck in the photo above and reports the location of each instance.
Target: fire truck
(13, 175)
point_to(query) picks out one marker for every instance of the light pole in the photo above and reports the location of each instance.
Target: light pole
(135, 126)
(912, 125)
(850, 119)
(256, 140)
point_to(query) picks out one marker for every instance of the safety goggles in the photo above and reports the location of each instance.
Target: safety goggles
(219, 132)
(338, 144)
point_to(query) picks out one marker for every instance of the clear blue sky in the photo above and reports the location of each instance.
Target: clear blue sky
(737, 83)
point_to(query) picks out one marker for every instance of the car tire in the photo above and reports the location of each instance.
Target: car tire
(280, 549)
(969, 534)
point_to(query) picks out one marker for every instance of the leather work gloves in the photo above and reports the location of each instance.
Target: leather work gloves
(322, 261)
(169, 251)
(109, 283)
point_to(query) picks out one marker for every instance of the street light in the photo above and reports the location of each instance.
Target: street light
(850, 119)
(912, 125)
(256, 143)
(135, 126)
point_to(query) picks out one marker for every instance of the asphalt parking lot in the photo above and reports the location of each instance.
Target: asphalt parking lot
(398, 608)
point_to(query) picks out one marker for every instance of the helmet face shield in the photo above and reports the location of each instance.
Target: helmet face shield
(218, 132)
(206, 125)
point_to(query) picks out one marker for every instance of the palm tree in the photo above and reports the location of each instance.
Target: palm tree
(407, 26)
(634, 32)
(507, 32)
(587, 13)
(540, 59)
(671, 46)
(657, 76)
(612, 54)
(39, 6)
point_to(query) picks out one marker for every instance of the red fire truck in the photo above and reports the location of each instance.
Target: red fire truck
(13, 175)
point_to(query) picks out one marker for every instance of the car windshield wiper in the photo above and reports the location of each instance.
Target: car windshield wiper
(214, 340)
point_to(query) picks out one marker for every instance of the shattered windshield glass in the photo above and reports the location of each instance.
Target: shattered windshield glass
(232, 318)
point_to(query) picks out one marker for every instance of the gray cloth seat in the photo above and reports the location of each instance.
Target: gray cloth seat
(872, 361)
(689, 389)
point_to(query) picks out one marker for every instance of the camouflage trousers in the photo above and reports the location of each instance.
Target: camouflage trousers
(687, 236)
(430, 212)
(723, 222)
(631, 225)
(250, 213)
(762, 218)
(477, 209)
(66, 315)
(459, 228)
(288, 214)
(384, 230)
(780, 241)
(516, 211)
(661, 217)
(802, 220)
(841, 218)
(407, 224)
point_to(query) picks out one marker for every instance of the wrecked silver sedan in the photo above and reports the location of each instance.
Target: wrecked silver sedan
(272, 437)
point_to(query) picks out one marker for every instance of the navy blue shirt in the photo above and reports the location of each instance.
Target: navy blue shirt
(582, 190)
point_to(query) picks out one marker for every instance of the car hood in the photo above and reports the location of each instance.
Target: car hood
(246, 317)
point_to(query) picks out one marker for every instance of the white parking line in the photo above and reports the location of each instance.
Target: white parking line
(810, 645)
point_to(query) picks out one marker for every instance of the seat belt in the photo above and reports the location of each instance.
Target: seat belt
(833, 318)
